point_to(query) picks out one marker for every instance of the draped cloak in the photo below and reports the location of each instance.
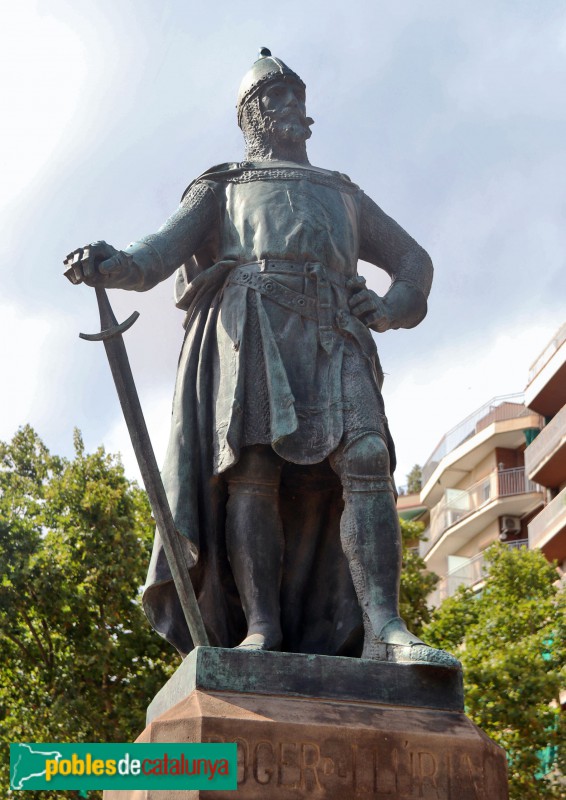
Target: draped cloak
(271, 355)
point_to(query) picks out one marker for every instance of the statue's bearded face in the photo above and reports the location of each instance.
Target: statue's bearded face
(275, 124)
(282, 106)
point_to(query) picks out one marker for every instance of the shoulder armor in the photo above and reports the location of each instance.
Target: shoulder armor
(217, 171)
(247, 168)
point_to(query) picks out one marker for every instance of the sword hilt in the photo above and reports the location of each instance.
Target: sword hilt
(108, 322)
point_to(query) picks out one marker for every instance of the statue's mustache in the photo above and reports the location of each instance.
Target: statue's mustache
(288, 113)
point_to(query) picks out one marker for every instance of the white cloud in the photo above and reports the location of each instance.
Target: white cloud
(42, 66)
(447, 116)
(24, 356)
(156, 408)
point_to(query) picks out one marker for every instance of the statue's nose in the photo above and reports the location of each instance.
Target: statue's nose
(292, 99)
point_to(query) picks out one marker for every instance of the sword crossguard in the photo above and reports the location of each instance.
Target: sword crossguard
(109, 333)
(108, 322)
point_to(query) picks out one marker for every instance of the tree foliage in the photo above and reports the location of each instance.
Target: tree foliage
(79, 660)
(414, 480)
(511, 639)
(416, 582)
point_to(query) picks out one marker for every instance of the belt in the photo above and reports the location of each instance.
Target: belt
(301, 268)
(265, 284)
(259, 276)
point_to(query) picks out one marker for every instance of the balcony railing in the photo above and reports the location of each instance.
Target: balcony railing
(549, 518)
(424, 544)
(468, 574)
(501, 408)
(548, 440)
(457, 504)
(551, 348)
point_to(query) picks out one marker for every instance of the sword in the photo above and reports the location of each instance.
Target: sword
(111, 335)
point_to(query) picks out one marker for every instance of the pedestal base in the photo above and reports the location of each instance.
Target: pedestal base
(291, 745)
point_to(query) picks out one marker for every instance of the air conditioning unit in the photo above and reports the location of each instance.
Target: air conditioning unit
(509, 525)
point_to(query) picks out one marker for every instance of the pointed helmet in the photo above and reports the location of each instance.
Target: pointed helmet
(266, 69)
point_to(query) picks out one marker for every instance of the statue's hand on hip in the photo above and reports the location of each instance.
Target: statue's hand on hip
(368, 306)
(96, 264)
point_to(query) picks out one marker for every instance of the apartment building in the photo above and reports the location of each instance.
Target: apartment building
(477, 491)
(545, 457)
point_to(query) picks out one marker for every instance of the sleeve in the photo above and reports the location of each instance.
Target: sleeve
(155, 257)
(384, 243)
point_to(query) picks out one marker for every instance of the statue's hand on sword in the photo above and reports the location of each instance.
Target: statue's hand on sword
(95, 263)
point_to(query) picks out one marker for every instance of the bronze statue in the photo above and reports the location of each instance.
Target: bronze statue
(280, 461)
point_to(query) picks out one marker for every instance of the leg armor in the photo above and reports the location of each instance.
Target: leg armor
(254, 538)
(371, 539)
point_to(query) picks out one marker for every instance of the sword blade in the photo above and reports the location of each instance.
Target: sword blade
(115, 348)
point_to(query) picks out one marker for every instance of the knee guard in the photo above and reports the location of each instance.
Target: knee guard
(363, 465)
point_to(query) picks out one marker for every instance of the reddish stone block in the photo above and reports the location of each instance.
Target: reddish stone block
(297, 747)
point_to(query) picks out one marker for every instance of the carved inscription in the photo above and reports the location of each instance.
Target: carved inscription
(387, 770)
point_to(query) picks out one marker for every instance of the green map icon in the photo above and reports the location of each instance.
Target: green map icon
(27, 762)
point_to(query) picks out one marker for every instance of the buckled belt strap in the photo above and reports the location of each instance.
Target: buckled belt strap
(324, 305)
(263, 283)
(319, 309)
(297, 268)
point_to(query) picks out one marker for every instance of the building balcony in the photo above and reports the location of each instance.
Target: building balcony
(548, 529)
(463, 513)
(471, 574)
(547, 377)
(499, 423)
(545, 457)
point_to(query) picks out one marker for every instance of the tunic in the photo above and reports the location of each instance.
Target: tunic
(297, 233)
(272, 355)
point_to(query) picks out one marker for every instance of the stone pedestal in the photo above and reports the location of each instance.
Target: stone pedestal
(319, 727)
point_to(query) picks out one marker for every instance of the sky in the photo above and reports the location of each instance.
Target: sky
(450, 115)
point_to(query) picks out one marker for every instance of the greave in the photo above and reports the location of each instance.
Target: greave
(254, 537)
(371, 540)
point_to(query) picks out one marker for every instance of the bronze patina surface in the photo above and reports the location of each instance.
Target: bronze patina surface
(279, 481)
(280, 460)
(388, 682)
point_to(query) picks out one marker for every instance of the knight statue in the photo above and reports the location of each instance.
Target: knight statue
(280, 460)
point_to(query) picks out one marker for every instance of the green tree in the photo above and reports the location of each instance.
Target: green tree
(79, 660)
(416, 582)
(511, 639)
(414, 480)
